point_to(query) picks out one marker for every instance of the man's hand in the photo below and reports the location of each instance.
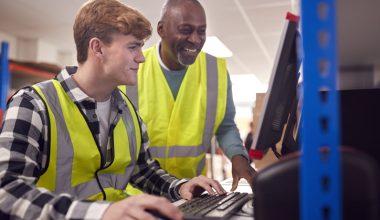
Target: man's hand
(135, 207)
(241, 169)
(198, 185)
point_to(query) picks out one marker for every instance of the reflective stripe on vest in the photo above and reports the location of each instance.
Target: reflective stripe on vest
(75, 161)
(200, 103)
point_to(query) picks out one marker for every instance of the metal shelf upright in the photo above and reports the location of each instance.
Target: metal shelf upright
(4, 77)
(320, 161)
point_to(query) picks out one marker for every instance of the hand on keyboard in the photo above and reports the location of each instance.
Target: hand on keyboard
(197, 185)
(138, 207)
(157, 215)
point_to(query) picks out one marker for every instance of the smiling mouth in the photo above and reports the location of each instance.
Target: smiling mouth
(190, 51)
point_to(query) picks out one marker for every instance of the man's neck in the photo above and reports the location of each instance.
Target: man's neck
(162, 64)
(161, 60)
(94, 87)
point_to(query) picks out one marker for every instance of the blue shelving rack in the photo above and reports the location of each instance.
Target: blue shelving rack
(320, 161)
(4, 77)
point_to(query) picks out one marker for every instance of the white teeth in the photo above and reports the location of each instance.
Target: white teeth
(191, 50)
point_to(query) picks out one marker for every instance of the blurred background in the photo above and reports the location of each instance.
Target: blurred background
(245, 32)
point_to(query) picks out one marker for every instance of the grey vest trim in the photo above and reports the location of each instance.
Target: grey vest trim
(65, 154)
(133, 94)
(85, 190)
(176, 151)
(212, 99)
(63, 167)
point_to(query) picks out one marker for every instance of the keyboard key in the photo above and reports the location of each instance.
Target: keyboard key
(206, 206)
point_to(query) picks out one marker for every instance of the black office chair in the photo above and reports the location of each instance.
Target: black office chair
(276, 188)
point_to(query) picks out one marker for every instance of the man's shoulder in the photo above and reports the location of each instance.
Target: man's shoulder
(26, 98)
(26, 92)
(205, 55)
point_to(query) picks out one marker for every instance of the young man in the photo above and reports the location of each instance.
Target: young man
(184, 96)
(70, 142)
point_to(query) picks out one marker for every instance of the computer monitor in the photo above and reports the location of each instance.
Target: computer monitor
(282, 90)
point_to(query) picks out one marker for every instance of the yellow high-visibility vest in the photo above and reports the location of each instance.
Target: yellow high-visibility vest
(75, 164)
(181, 129)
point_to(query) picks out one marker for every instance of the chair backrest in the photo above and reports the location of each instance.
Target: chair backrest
(276, 188)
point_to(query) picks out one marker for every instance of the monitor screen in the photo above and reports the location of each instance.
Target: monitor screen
(281, 92)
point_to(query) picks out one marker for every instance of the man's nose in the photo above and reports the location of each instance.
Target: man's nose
(195, 38)
(140, 57)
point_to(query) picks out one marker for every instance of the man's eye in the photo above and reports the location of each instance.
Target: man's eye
(185, 31)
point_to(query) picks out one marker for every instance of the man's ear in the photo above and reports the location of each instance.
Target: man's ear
(95, 47)
(160, 29)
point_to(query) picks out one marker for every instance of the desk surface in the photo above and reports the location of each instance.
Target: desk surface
(243, 185)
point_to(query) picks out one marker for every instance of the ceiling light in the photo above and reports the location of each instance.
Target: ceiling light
(216, 48)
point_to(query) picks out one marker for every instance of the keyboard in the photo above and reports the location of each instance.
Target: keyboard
(214, 206)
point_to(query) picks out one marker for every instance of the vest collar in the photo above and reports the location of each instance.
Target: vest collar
(77, 95)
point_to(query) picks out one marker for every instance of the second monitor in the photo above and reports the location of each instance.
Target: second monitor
(282, 90)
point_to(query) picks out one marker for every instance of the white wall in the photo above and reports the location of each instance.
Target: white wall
(46, 52)
(244, 89)
(12, 40)
(66, 59)
(36, 50)
(27, 49)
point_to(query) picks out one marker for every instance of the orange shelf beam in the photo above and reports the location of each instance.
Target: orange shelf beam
(13, 67)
